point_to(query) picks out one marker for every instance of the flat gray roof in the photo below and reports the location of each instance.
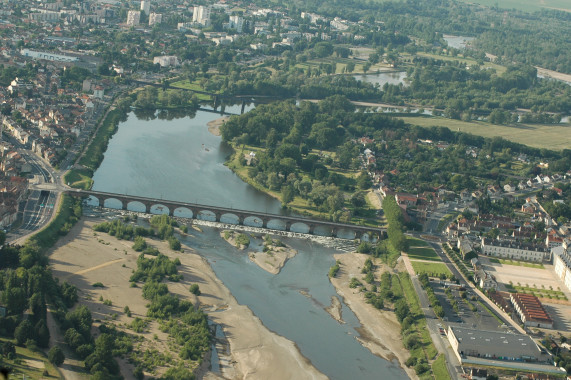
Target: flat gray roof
(495, 343)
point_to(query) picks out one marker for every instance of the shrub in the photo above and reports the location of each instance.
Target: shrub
(98, 285)
(195, 289)
(56, 356)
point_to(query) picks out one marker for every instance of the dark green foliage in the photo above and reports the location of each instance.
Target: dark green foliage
(334, 269)
(8, 350)
(56, 356)
(139, 244)
(23, 332)
(153, 269)
(364, 247)
(174, 243)
(195, 289)
(153, 289)
(394, 216)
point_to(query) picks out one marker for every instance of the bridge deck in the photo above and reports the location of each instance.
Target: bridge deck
(219, 211)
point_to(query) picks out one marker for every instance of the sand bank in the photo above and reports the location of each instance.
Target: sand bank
(214, 125)
(85, 257)
(381, 330)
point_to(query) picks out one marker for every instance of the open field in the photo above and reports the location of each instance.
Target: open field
(432, 269)
(525, 5)
(552, 136)
(468, 61)
(421, 253)
(185, 84)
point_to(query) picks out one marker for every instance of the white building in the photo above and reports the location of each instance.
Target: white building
(236, 22)
(133, 18)
(155, 18)
(166, 60)
(48, 56)
(146, 6)
(201, 15)
(562, 263)
(511, 250)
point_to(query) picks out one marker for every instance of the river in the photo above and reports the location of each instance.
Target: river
(180, 160)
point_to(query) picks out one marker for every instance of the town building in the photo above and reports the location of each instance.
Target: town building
(201, 15)
(514, 250)
(133, 18)
(166, 61)
(531, 311)
(562, 263)
(146, 6)
(155, 18)
(499, 349)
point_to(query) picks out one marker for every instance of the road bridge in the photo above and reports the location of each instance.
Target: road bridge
(242, 215)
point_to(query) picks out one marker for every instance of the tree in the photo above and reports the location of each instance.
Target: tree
(56, 356)
(287, 194)
(23, 332)
(195, 289)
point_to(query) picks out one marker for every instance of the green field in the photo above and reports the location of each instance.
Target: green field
(525, 5)
(431, 269)
(468, 61)
(194, 86)
(552, 136)
(439, 368)
(422, 253)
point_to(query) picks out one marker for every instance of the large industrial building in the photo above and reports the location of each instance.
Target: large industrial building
(562, 262)
(499, 349)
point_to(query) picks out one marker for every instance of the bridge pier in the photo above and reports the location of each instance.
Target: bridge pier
(334, 232)
(241, 220)
(243, 107)
(311, 229)
(218, 215)
(288, 226)
(265, 222)
(215, 102)
(358, 234)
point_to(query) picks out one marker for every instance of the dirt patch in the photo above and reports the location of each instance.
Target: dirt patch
(273, 259)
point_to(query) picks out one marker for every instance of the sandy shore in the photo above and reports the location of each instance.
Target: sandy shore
(214, 125)
(274, 259)
(381, 330)
(84, 257)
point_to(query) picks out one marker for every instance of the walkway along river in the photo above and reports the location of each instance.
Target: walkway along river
(180, 160)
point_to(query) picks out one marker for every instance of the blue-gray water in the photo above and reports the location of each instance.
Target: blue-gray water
(181, 160)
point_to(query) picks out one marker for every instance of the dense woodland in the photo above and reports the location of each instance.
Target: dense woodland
(305, 148)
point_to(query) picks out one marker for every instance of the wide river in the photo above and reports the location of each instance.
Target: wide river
(180, 160)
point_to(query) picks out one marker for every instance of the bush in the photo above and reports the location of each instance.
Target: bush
(140, 244)
(334, 269)
(98, 285)
(421, 368)
(56, 356)
(195, 289)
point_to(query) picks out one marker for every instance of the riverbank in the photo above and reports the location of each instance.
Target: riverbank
(214, 125)
(255, 352)
(380, 331)
(274, 256)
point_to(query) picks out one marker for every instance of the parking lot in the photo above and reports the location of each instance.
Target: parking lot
(479, 319)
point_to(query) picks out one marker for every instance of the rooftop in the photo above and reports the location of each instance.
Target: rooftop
(494, 344)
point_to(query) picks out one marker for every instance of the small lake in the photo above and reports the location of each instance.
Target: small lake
(457, 42)
(395, 77)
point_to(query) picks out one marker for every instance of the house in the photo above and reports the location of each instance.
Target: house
(465, 195)
(509, 188)
(465, 246)
(485, 280)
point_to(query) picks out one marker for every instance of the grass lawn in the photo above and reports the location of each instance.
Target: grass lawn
(194, 86)
(79, 178)
(432, 269)
(550, 136)
(422, 253)
(469, 61)
(439, 368)
(414, 242)
(30, 364)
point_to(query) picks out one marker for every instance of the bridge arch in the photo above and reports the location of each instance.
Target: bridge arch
(253, 221)
(159, 209)
(111, 202)
(232, 218)
(183, 212)
(300, 227)
(136, 206)
(206, 214)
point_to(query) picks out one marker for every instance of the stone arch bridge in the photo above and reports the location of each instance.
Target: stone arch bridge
(218, 212)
